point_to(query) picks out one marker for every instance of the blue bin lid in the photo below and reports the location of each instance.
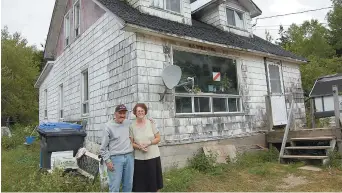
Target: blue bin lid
(59, 128)
(60, 125)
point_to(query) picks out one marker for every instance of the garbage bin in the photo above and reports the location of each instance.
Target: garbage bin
(59, 137)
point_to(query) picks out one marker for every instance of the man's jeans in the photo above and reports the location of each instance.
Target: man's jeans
(123, 170)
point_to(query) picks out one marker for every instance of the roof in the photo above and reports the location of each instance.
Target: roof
(323, 85)
(198, 30)
(46, 70)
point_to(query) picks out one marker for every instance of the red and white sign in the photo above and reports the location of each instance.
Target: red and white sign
(216, 76)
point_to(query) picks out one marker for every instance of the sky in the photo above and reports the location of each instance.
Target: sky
(32, 17)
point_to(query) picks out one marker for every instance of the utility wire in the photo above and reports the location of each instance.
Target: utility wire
(291, 14)
(280, 25)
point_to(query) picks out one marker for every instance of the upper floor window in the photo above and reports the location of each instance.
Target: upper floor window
(61, 101)
(67, 29)
(235, 18)
(85, 93)
(77, 18)
(171, 5)
(45, 103)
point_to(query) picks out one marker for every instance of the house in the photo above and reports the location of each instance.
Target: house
(322, 95)
(106, 52)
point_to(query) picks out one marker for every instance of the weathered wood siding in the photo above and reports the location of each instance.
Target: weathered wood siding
(155, 54)
(109, 55)
(183, 17)
(90, 12)
(216, 15)
(293, 86)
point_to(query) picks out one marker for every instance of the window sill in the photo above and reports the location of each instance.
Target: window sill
(167, 11)
(85, 115)
(192, 115)
(66, 47)
(237, 28)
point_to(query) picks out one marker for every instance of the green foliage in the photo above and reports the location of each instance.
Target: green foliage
(19, 71)
(248, 159)
(335, 160)
(335, 22)
(178, 180)
(19, 133)
(203, 163)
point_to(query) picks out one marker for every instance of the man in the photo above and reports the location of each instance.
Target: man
(117, 151)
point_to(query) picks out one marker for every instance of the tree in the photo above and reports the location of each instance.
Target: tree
(19, 71)
(268, 36)
(308, 39)
(335, 25)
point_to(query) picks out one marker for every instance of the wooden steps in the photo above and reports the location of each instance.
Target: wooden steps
(312, 138)
(304, 157)
(308, 147)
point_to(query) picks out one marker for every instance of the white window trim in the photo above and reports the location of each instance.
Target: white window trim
(61, 102)
(82, 94)
(167, 10)
(79, 18)
(45, 103)
(210, 95)
(68, 14)
(243, 18)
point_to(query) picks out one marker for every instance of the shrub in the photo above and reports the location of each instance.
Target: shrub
(335, 159)
(203, 163)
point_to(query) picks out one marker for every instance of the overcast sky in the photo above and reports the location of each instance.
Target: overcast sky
(32, 17)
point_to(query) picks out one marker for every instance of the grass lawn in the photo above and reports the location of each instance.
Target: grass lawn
(252, 172)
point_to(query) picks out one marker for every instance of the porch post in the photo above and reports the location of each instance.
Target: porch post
(312, 113)
(336, 106)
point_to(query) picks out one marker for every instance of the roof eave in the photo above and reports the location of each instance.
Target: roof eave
(46, 70)
(139, 29)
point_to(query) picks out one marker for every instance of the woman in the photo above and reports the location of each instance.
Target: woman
(147, 167)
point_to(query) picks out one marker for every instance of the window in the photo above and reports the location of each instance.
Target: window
(215, 84)
(77, 18)
(171, 5)
(61, 101)
(235, 18)
(85, 93)
(67, 29)
(275, 79)
(46, 103)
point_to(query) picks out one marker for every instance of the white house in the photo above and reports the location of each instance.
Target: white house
(106, 52)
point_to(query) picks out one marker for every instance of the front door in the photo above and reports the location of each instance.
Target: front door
(277, 96)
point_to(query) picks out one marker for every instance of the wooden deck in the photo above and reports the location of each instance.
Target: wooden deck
(277, 135)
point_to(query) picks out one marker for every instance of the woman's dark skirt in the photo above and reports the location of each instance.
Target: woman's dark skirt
(148, 175)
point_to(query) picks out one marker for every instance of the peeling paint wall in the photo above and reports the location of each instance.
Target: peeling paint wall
(90, 13)
(293, 87)
(154, 54)
(108, 53)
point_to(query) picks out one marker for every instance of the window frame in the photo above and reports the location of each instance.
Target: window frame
(168, 10)
(77, 3)
(243, 18)
(83, 101)
(61, 102)
(67, 34)
(45, 103)
(209, 95)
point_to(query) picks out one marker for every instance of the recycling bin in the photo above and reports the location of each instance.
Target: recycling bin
(59, 137)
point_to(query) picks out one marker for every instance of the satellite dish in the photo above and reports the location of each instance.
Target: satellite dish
(171, 76)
